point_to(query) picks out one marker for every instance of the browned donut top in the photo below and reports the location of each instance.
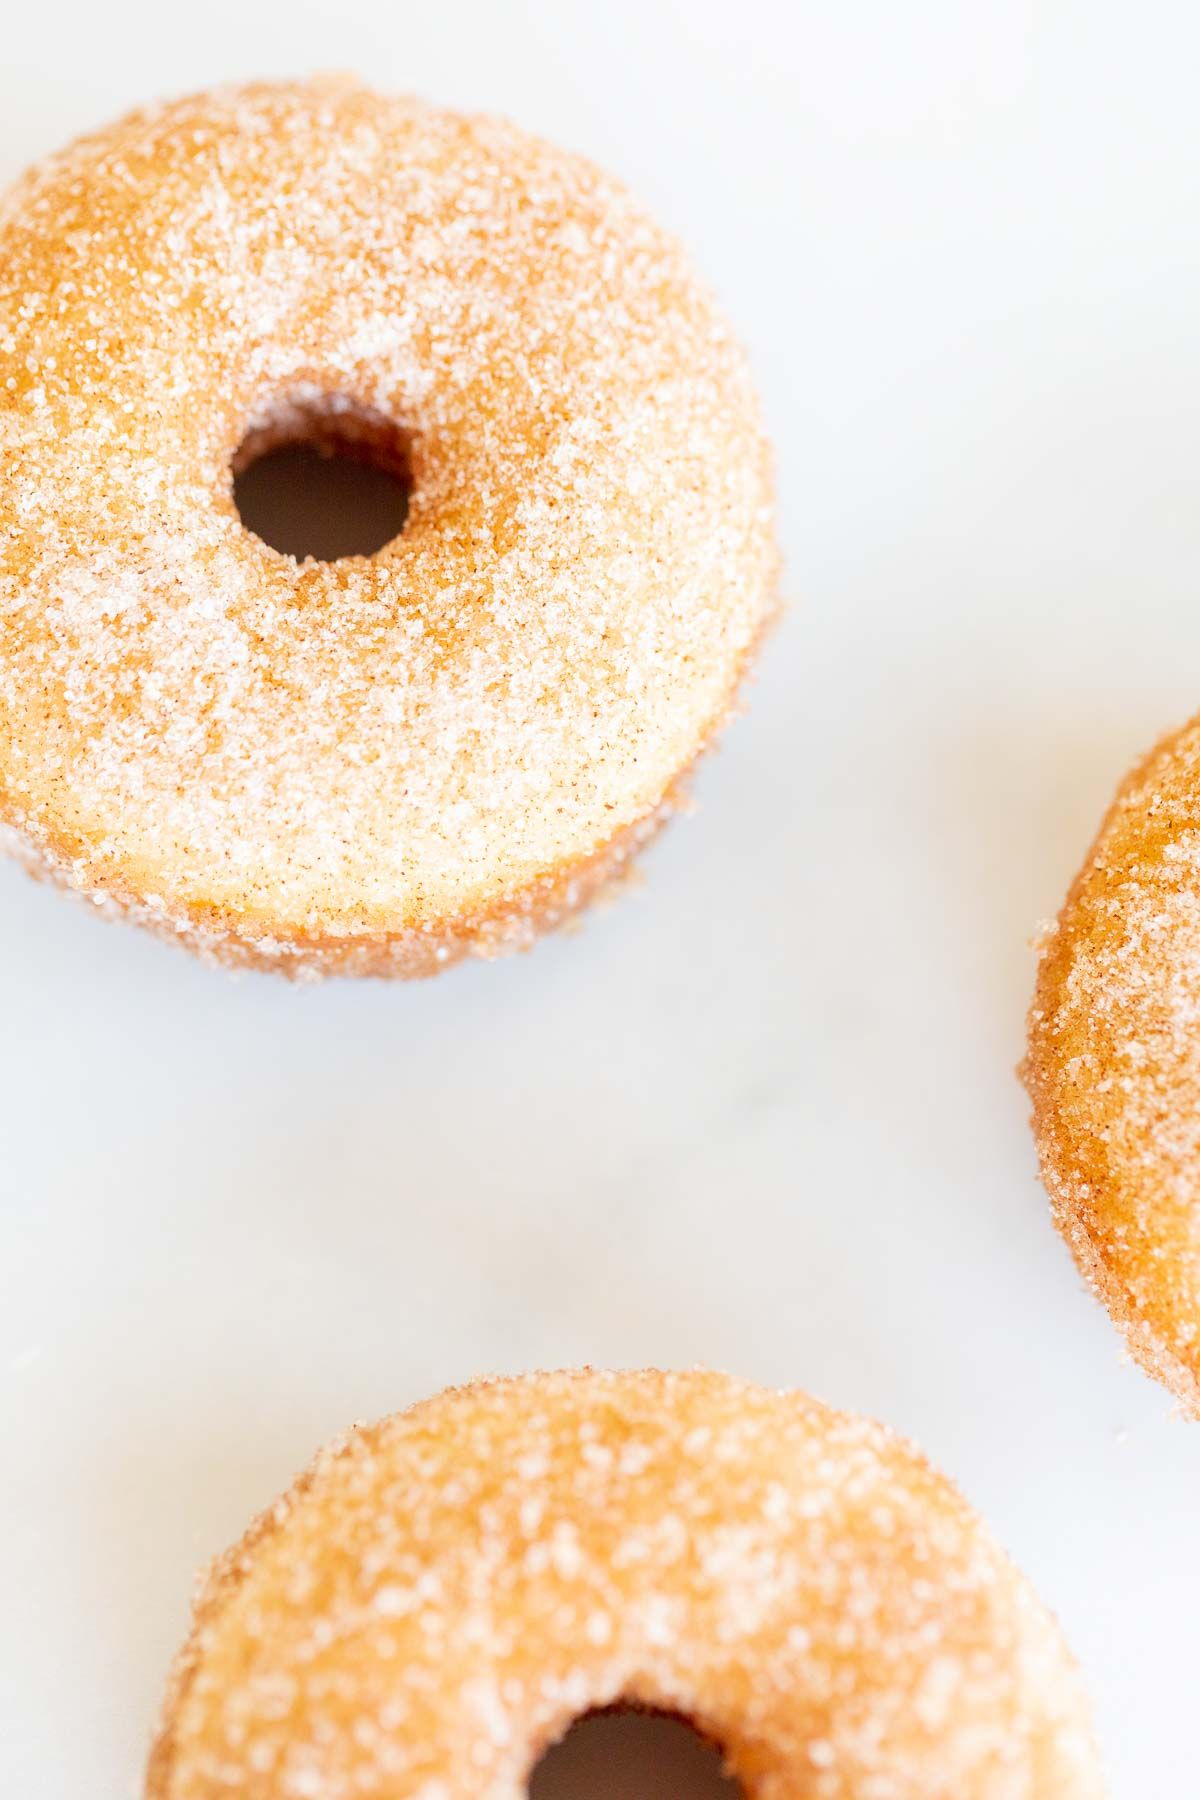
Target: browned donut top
(193, 720)
(1114, 1063)
(443, 1592)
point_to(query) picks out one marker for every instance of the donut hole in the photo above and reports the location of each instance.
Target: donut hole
(321, 478)
(625, 1753)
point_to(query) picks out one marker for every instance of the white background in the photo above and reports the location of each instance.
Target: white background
(763, 1113)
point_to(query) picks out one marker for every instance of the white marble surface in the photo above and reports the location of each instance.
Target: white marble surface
(761, 1114)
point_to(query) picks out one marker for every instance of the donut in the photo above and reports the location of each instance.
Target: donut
(1113, 1065)
(442, 1594)
(378, 764)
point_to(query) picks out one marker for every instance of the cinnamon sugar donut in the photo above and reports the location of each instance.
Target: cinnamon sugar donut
(377, 764)
(1114, 1064)
(443, 1593)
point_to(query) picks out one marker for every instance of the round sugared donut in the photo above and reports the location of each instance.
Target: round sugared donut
(444, 1593)
(376, 764)
(1113, 1067)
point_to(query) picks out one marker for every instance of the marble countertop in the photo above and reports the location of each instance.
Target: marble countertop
(760, 1113)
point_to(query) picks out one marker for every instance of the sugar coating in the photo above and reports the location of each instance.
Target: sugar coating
(442, 1593)
(382, 762)
(1114, 1064)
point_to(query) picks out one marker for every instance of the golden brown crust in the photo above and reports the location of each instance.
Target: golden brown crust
(441, 1593)
(377, 764)
(1113, 1065)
